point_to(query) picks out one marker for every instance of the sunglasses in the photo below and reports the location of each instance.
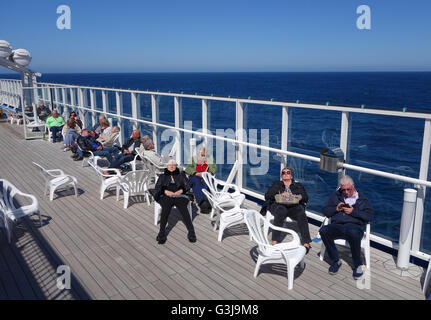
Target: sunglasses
(286, 172)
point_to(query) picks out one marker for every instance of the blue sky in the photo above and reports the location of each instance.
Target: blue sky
(235, 35)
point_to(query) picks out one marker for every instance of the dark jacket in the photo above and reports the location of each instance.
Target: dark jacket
(164, 183)
(362, 212)
(85, 143)
(129, 142)
(278, 187)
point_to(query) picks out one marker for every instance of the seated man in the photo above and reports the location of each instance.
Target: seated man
(107, 139)
(88, 144)
(43, 112)
(148, 145)
(128, 152)
(350, 211)
(55, 124)
(201, 163)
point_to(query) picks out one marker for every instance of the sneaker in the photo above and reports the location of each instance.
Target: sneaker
(75, 155)
(358, 273)
(78, 158)
(333, 269)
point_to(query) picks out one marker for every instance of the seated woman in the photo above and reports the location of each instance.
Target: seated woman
(286, 187)
(199, 164)
(170, 190)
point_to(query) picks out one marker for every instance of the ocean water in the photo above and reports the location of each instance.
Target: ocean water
(390, 144)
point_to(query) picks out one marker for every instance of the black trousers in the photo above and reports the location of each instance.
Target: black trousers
(181, 203)
(297, 213)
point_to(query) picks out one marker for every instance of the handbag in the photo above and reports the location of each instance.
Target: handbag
(289, 200)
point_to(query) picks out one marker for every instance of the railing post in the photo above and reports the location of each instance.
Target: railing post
(155, 119)
(240, 137)
(93, 107)
(423, 175)
(205, 122)
(65, 107)
(344, 137)
(135, 103)
(119, 103)
(178, 121)
(82, 101)
(284, 133)
(72, 99)
(104, 102)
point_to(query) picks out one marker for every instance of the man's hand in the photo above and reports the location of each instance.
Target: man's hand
(125, 151)
(169, 193)
(198, 174)
(340, 206)
(99, 148)
(286, 194)
(178, 192)
(348, 210)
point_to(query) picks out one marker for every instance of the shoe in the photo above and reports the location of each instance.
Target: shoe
(358, 273)
(75, 155)
(161, 239)
(192, 237)
(333, 269)
(307, 249)
(205, 207)
(78, 158)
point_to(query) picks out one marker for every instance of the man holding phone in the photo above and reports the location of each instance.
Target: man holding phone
(350, 211)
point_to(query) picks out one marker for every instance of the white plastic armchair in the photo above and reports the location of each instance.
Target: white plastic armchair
(107, 180)
(227, 212)
(427, 279)
(134, 183)
(9, 209)
(291, 253)
(56, 178)
(216, 188)
(365, 243)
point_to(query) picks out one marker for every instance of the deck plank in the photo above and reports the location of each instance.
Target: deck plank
(113, 254)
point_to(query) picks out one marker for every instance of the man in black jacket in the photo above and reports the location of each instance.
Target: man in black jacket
(287, 186)
(86, 143)
(350, 211)
(128, 152)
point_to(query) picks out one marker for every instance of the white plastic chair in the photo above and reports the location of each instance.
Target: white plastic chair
(427, 279)
(8, 209)
(134, 183)
(107, 180)
(291, 253)
(365, 243)
(214, 186)
(56, 178)
(228, 212)
(158, 211)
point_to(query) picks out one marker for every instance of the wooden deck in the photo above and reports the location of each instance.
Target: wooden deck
(112, 252)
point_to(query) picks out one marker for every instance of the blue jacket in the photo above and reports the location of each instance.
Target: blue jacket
(362, 212)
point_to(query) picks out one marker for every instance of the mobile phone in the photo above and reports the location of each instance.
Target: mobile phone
(345, 205)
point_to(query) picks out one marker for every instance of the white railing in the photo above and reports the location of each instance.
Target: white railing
(83, 98)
